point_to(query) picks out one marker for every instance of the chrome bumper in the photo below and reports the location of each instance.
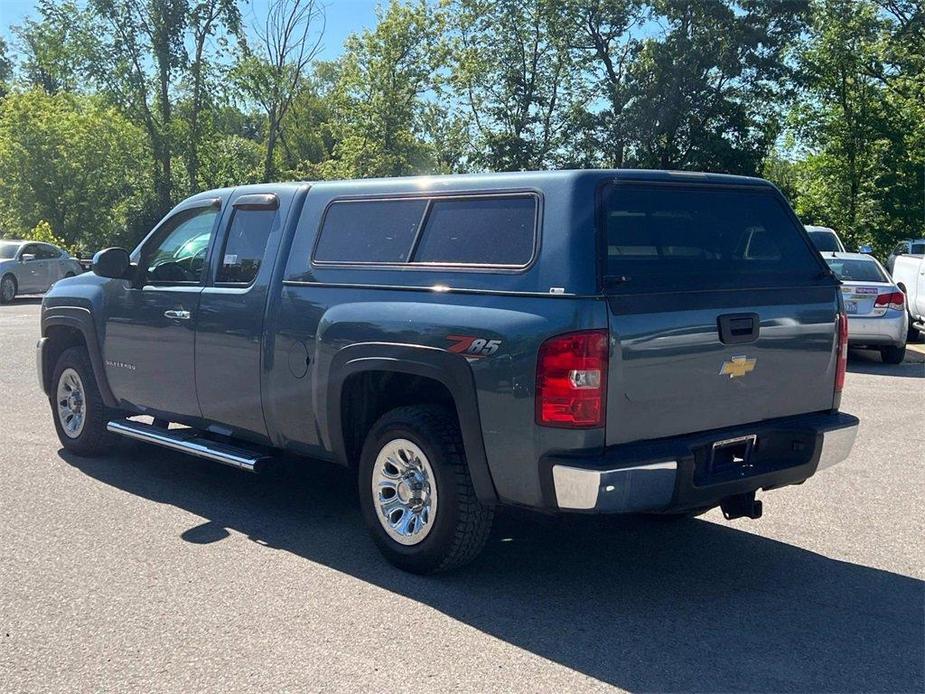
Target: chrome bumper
(836, 446)
(639, 488)
(652, 486)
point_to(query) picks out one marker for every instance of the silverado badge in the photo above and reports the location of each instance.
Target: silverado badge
(738, 367)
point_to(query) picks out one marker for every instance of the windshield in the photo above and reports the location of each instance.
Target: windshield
(824, 241)
(8, 250)
(854, 270)
(701, 237)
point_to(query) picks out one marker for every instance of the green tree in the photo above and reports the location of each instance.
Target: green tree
(379, 101)
(73, 162)
(274, 71)
(57, 48)
(860, 121)
(705, 93)
(513, 70)
(6, 68)
(601, 36)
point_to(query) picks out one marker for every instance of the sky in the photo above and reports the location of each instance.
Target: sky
(344, 17)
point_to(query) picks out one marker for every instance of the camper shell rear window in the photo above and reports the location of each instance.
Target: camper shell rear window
(690, 237)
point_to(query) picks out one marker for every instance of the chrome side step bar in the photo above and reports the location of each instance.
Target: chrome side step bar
(189, 441)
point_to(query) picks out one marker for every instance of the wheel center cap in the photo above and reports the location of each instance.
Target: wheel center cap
(411, 490)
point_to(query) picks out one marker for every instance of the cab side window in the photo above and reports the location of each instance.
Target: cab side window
(46, 252)
(245, 246)
(177, 254)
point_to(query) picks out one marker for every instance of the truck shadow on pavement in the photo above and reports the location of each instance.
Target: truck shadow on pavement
(643, 605)
(867, 361)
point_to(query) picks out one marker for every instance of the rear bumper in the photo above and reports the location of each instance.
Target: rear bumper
(888, 329)
(678, 473)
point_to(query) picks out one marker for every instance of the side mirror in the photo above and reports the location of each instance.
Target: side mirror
(865, 249)
(112, 262)
(27, 257)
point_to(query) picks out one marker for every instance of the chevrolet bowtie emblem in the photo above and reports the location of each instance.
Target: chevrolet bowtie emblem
(738, 367)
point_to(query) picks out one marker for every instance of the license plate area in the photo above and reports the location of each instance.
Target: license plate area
(851, 307)
(732, 453)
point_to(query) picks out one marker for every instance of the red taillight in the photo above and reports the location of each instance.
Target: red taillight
(571, 380)
(895, 300)
(842, 363)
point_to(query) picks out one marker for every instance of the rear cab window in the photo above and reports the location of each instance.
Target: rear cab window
(856, 270)
(824, 241)
(474, 230)
(245, 245)
(687, 237)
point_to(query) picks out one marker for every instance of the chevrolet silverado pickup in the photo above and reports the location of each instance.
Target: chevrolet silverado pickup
(572, 341)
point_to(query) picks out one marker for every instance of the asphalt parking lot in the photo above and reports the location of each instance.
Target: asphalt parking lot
(151, 571)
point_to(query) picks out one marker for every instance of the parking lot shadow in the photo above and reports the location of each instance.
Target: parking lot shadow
(24, 301)
(643, 605)
(867, 361)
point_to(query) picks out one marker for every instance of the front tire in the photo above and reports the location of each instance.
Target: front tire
(77, 407)
(893, 354)
(416, 493)
(8, 289)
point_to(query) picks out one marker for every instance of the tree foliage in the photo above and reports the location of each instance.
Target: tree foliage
(134, 104)
(860, 123)
(71, 161)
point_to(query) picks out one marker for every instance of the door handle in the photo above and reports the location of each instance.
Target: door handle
(178, 315)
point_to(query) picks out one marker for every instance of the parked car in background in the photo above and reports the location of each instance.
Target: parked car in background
(905, 247)
(875, 305)
(909, 275)
(30, 267)
(825, 239)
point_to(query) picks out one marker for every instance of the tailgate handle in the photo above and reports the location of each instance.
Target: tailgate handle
(737, 328)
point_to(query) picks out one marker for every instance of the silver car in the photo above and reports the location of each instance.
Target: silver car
(876, 307)
(31, 267)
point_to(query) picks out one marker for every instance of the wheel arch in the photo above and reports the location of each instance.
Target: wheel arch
(70, 326)
(438, 376)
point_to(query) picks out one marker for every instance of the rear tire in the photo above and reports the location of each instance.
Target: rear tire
(893, 354)
(77, 407)
(913, 334)
(8, 289)
(416, 493)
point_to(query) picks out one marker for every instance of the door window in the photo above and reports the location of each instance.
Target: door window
(30, 249)
(177, 254)
(46, 252)
(245, 245)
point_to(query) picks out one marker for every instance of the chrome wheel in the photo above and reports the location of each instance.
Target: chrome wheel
(70, 400)
(405, 491)
(7, 289)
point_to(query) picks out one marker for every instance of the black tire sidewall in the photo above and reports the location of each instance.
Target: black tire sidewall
(15, 288)
(94, 439)
(428, 555)
(895, 354)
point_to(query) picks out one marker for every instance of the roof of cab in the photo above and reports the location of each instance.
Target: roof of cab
(514, 179)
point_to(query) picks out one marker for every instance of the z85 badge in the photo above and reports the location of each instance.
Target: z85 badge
(473, 347)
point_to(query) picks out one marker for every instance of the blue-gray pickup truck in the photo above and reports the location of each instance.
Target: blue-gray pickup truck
(573, 341)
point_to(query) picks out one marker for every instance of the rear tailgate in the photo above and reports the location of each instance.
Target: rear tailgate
(721, 312)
